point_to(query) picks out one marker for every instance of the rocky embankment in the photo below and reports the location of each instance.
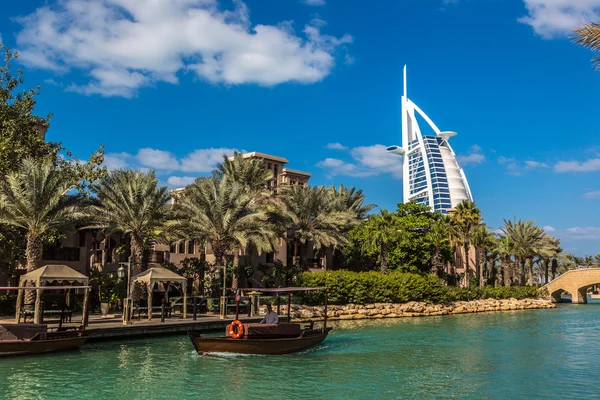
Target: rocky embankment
(412, 309)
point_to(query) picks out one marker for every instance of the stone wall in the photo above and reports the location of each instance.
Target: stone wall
(411, 309)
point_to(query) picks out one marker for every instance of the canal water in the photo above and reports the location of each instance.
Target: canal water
(549, 354)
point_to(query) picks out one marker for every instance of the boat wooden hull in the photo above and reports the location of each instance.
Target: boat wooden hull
(205, 345)
(26, 347)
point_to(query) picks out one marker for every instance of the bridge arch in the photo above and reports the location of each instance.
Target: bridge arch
(576, 282)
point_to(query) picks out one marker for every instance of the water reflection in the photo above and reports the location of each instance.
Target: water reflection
(520, 354)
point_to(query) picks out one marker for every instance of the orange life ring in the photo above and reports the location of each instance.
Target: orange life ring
(236, 329)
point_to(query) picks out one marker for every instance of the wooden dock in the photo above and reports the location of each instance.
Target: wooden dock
(112, 328)
(142, 328)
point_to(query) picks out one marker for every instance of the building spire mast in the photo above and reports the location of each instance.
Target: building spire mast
(405, 91)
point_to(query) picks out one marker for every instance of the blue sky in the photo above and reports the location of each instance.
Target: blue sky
(174, 84)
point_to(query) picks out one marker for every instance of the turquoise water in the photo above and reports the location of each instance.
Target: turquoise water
(550, 354)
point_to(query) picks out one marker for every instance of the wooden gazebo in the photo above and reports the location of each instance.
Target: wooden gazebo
(50, 274)
(159, 275)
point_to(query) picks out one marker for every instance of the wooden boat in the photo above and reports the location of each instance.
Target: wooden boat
(24, 339)
(20, 339)
(259, 345)
(274, 339)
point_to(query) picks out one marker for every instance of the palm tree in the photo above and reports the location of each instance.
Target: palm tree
(504, 250)
(381, 230)
(248, 172)
(467, 216)
(439, 234)
(35, 198)
(481, 239)
(588, 36)
(312, 216)
(228, 216)
(351, 199)
(526, 239)
(549, 249)
(130, 202)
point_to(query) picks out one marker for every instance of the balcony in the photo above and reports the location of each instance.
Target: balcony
(154, 257)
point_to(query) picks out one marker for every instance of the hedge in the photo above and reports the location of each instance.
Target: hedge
(397, 287)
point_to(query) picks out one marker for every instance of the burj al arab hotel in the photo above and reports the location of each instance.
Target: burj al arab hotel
(430, 171)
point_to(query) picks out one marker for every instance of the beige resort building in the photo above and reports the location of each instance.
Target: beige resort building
(87, 250)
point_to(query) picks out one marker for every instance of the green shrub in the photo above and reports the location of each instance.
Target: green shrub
(398, 287)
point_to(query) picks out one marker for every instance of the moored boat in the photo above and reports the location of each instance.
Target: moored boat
(273, 339)
(24, 339)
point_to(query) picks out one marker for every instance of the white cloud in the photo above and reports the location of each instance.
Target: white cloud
(549, 229)
(556, 18)
(576, 166)
(52, 82)
(591, 195)
(474, 157)
(516, 168)
(336, 146)
(314, 2)
(114, 161)
(583, 233)
(157, 159)
(180, 181)
(366, 161)
(199, 160)
(535, 164)
(124, 45)
(204, 160)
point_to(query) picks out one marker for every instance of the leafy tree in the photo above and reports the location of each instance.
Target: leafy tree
(412, 248)
(588, 36)
(22, 136)
(130, 202)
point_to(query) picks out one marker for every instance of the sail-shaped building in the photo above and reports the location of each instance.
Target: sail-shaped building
(431, 173)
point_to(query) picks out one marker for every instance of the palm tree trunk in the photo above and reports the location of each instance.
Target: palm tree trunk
(384, 261)
(521, 265)
(137, 251)
(236, 271)
(477, 265)
(467, 267)
(295, 260)
(554, 267)
(546, 269)
(481, 262)
(506, 272)
(33, 256)
(530, 264)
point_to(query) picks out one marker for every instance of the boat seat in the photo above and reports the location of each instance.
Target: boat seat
(271, 330)
(21, 331)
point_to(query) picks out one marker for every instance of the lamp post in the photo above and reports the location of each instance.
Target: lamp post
(121, 275)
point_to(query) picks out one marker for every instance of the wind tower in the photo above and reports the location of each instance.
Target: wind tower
(431, 174)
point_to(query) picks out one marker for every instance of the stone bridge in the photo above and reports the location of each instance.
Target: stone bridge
(576, 282)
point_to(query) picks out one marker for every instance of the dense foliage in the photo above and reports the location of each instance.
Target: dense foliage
(22, 137)
(400, 241)
(399, 287)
